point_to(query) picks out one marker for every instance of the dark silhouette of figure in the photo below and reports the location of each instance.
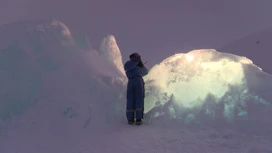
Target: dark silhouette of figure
(135, 70)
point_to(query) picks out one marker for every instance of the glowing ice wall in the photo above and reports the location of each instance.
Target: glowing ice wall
(196, 83)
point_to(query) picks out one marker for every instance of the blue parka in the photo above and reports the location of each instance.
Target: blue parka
(135, 89)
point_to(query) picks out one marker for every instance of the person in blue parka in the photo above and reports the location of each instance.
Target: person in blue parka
(135, 70)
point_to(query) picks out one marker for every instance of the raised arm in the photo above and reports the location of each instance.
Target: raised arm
(144, 71)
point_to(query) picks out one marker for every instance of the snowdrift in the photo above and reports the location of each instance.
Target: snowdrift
(45, 70)
(208, 87)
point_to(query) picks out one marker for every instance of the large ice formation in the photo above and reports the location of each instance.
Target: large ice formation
(40, 64)
(201, 83)
(111, 51)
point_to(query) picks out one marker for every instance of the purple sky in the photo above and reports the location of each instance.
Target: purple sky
(155, 28)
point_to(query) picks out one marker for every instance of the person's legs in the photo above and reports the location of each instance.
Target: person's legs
(139, 100)
(130, 109)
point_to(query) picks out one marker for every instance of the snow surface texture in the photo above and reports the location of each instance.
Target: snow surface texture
(59, 95)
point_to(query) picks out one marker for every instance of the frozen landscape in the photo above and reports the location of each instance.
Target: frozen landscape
(60, 95)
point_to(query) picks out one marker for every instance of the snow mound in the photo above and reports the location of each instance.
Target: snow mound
(202, 84)
(39, 30)
(54, 26)
(111, 51)
(44, 68)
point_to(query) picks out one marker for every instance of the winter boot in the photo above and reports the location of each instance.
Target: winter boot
(138, 121)
(130, 122)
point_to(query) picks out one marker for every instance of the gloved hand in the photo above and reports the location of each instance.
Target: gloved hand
(137, 57)
(140, 64)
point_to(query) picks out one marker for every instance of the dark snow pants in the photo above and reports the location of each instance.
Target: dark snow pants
(135, 98)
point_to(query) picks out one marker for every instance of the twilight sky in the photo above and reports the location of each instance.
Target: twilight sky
(154, 28)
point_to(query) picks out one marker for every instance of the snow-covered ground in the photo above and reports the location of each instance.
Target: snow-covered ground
(59, 97)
